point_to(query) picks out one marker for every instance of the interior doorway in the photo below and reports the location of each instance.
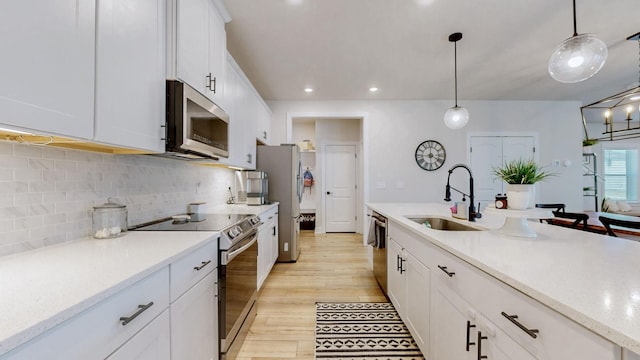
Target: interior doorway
(322, 130)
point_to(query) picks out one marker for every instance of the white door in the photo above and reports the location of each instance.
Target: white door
(340, 188)
(488, 152)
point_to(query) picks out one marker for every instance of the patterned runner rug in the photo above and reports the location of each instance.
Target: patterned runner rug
(362, 331)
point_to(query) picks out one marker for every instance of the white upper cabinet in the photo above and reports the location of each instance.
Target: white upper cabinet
(130, 73)
(198, 51)
(263, 118)
(48, 54)
(241, 103)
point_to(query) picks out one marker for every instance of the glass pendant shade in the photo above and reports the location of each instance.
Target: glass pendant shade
(456, 117)
(578, 58)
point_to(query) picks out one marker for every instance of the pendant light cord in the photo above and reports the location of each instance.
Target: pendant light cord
(575, 27)
(455, 70)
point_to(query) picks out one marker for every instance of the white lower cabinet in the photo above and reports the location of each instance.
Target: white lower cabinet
(267, 244)
(194, 316)
(170, 314)
(103, 328)
(151, 343)
(456, 311)
(408, 289)
(460, 332)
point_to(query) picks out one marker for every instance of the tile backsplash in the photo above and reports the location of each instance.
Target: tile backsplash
(47, 194)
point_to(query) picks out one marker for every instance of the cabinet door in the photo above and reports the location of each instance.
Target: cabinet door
(48, 57)
(264, 253)
(192, 58)
(194, 330)
(151, 343)
(395, 278)
(449, 337)
(130, 90)
(217, 56)
(264, 123)
(418, 299)
(246, 114)
(274, 239)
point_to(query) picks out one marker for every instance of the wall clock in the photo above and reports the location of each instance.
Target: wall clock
(430, 155)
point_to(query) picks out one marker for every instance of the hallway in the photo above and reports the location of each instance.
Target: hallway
(331, 267)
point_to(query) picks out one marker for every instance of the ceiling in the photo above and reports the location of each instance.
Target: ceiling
(341, 48)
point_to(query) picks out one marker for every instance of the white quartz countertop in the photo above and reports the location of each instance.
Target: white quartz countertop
(592, 279)
(42, 288)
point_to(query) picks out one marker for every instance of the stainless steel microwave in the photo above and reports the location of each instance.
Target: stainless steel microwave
(196, 127)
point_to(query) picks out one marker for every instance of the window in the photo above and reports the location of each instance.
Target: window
(621, 174)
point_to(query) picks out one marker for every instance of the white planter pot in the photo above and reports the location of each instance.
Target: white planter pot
(521, 196)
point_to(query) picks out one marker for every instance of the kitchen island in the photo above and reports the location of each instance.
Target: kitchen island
(589, 278)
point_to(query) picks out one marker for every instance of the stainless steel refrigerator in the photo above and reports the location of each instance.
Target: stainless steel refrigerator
(282, 165)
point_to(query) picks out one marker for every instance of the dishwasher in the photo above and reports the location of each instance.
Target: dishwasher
(378, 240)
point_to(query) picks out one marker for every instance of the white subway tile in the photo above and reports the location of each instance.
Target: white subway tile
(27, 174)
(29, 151)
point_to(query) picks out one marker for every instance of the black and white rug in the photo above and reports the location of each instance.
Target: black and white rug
(362, 331)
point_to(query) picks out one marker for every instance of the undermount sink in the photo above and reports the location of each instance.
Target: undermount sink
(441, 224)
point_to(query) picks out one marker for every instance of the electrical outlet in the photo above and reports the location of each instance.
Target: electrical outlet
(555, 163)
(286, 246)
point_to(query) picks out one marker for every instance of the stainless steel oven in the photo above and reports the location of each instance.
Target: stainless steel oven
(237, 289)
(237, 270)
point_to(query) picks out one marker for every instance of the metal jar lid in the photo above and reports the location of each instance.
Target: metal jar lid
(110, 204)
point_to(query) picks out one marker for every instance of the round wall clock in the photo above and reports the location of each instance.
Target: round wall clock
(430, 155)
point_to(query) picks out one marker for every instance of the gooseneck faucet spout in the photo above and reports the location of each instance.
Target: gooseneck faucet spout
(447, 194)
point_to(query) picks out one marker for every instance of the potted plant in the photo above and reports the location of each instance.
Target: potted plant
(520, 176)
(587, 145)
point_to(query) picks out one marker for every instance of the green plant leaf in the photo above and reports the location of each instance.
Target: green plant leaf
(521, 172)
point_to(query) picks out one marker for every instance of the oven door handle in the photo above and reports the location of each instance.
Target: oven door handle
(233, 254)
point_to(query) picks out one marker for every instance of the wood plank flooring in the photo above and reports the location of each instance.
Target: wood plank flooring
(331, 267)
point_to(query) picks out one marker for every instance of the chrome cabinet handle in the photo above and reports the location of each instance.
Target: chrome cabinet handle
(141, 308)
(480, 338)
(202, 265)
(444, 268)
(530, 332)
(469, 326)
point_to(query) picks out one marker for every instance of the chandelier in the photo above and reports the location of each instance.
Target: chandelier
(620, 108)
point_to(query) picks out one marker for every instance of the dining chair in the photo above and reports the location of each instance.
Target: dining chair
(579, 218)
(558, 207)
(607, 222)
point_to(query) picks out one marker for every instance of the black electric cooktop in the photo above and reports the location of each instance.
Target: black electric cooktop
(196, 222)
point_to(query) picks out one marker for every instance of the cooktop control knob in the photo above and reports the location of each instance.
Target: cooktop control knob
(254, 220)
(235, 231)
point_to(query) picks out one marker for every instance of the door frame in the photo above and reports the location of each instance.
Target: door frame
(323, 161)
(363, 153)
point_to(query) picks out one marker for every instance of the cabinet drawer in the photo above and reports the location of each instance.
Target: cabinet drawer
(98, 331)
(190, 269)
(557, 338)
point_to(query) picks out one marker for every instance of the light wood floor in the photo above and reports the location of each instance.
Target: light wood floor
(331, 267)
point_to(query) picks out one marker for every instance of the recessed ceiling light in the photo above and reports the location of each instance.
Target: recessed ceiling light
(308, 90)
(373, 89)
(634, 98)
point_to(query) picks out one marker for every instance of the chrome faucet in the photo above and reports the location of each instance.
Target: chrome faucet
(447, 194)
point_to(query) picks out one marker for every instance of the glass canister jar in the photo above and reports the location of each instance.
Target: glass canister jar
(109, 220)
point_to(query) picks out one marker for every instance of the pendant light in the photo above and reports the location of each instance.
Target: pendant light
(456, 117)
(578, 57)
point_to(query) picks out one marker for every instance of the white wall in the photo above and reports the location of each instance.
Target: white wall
(395, 128)
(47, 194)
